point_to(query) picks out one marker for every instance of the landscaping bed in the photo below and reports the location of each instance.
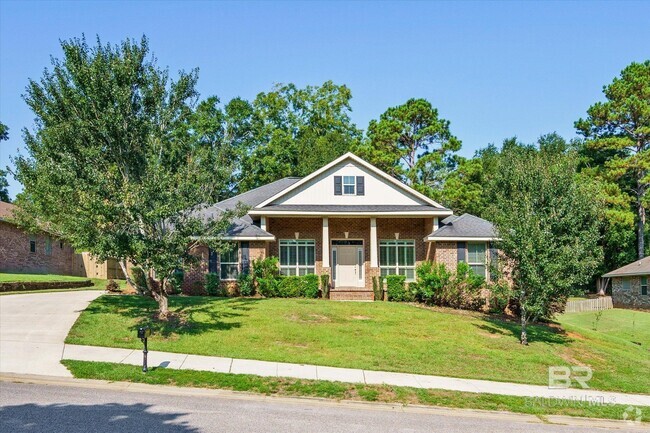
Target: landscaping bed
(344, 391)
(19, 286)
(374, 336)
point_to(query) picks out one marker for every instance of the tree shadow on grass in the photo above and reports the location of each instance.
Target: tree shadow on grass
(538, 333)
(97, 418)
(190, 315)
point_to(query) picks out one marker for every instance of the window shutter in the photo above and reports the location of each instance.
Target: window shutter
(494, 261)
(245, 257)
(212, 261)
(338, 185)
(361, 186)
(461, 252)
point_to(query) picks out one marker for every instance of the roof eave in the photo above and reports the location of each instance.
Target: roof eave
(460, 238)
(626, 274)
(263, 212)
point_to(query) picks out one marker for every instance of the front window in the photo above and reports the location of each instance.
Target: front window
(32, 245)
(229, 263)
(397, 258)
(644, 285)
(297, 257)
(476, 257)
(349, 184)
(627, 286)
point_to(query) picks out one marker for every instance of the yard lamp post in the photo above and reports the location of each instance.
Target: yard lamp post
(143, 334)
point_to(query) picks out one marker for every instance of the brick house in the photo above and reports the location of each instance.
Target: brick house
(630, 284)
(349, 220)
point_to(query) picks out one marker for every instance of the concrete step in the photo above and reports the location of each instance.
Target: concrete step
(351, 294)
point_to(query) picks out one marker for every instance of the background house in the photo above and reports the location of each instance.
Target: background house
(630, 284)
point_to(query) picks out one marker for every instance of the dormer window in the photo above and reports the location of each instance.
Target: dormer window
(349, 184)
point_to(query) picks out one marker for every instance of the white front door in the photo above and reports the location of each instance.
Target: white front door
(348, 260)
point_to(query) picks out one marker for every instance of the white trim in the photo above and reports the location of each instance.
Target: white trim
(263, 223)
(452, 239)
(374, 261)
(326, 243)
(350, 214)
(247, 238)
(634, 274)
(361, 162)
(354, 185)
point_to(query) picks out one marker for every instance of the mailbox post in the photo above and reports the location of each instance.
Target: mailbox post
(143, 334)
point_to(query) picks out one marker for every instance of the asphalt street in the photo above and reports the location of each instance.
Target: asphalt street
(54, 408)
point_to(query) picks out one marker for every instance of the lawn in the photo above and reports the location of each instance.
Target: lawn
(344, 391)
(374, 336)
(98, 284)
(627, 325)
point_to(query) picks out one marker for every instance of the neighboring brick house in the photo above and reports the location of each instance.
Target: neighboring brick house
(42, 253)
(31, 253)
(630, 284)
(349, 220)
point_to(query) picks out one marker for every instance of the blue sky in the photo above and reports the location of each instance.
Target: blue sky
(493, 69)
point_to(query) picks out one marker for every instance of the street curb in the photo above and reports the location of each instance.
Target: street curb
(348, 404)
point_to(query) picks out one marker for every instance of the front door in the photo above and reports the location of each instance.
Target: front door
(348, 263)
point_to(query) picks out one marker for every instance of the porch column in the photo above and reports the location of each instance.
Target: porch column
(373, 243)
(435, 223)
(326, 243)
(263, 223)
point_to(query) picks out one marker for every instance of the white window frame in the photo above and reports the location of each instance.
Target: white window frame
(236, 263)
(353, 185)
(484, 263)
(395, 269)
(297, 267)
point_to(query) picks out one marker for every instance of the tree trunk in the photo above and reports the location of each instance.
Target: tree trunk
(524, 334)
(129, 280)
(159, 295)
(640, 225)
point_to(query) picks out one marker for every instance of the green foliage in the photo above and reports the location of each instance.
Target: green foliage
(117, 156)
(397, 290)
(549, 223)
(325, 285)
(175, 283)
(292, 131)
(139, 278)
(618, 138)
(461, 289)
(413, 144)
(245, 283)
(113, 286)
(4, 193)
(298, 286)
(377, 289)
(213, 284)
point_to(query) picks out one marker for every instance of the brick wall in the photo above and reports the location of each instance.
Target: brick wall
(196, 274)
(447, 253)
(15, 255)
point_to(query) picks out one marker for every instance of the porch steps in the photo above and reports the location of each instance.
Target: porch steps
(351, 294)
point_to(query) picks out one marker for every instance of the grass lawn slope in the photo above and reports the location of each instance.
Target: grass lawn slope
(373, 336)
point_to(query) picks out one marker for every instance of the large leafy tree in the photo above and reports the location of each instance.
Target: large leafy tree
(412, 143)
(120, 158)
(4, 193)
(291, 131)
(620, 129)
(548, 222)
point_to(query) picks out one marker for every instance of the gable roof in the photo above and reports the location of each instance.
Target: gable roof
(464, 227)
(640, 267)
(361, 163)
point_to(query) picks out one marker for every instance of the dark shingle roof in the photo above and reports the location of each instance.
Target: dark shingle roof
(640, 267)
(465, 226)
(325, 208)
(244, 228)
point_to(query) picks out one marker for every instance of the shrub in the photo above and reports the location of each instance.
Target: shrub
(377, 289)
(140, 279)
(462, 289)
(309, 287)
(290, 287)
(268, 287)
(175, 283)
(197, 288)
(432, 278)
(396, 288)
(245, 282)
(213, 284)
(113, 286)
(325, 286)
(266, 276)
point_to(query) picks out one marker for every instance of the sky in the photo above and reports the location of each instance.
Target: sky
(493, 69)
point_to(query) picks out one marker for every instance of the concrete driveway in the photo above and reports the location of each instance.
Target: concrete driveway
(33, 328)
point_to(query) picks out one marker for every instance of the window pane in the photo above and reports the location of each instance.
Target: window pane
(476, 252)
(478, 270)
(293, 255)
(383, 256)
(284, 255)
(302, 255)
(410, 274)
(349, 185)
(626, 284)
(407, 255)
(311, 255)
(229, 272)
(288, 271)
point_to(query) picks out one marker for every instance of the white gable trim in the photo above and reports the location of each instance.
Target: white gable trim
(362, 163)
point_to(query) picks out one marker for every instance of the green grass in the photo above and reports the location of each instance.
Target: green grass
(13, 278)
(628, 326)
(373, 336)
(343, 391)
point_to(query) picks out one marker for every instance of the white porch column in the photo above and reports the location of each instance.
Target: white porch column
(326, 243)
(435, 223)
(263, 223)
(373, 243)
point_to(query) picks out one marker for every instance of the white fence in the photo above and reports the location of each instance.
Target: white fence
(596, 304)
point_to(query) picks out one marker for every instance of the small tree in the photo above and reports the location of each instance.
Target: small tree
(120, 160)
(548, 223)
